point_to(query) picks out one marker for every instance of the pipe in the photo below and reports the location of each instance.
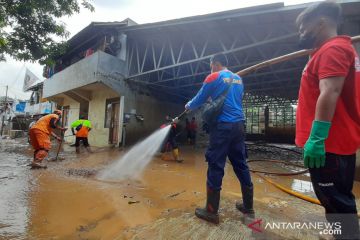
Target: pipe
(273, 146)
(289, 191)
(282, 58)
(282, 188)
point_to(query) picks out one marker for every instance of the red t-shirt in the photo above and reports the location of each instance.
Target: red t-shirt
(193, 126)
(335, 58)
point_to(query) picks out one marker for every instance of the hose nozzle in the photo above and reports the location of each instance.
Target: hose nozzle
(178, 118)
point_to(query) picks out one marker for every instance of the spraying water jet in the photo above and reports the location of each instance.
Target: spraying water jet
(132, 164)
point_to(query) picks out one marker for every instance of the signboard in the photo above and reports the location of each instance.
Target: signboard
(40, 108)
(45, 107)
(20, 107)
(29, 80)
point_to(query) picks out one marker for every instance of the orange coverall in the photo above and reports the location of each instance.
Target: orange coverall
(39, 135)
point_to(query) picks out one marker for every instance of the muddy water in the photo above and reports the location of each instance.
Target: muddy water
(66, 201)
(14, 187)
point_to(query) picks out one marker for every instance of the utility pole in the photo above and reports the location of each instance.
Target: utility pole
(5, 108)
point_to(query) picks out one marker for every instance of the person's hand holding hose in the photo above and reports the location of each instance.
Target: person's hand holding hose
(175, 120)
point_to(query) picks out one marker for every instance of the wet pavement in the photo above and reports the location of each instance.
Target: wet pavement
(66, 201)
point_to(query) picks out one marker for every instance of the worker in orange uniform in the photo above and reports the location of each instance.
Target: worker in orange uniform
(40, 136)
(82, 127)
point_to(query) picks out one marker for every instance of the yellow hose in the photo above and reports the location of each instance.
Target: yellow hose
(284, 189)
(291, 192)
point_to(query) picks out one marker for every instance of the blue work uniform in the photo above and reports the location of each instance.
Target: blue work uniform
(227, 138)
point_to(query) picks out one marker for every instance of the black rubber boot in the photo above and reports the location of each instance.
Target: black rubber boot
(246, 207)
(210, 212)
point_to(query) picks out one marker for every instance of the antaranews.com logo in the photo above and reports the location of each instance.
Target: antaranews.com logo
(324, 228)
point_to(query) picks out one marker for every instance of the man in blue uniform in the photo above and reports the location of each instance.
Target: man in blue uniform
(226, 138)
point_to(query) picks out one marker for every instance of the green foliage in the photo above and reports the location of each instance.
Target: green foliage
(28, 28)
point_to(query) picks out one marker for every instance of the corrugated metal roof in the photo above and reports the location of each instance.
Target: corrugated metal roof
(209, 17)
(269, 13)
(278, 81)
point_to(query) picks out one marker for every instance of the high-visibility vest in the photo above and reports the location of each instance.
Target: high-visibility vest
(85, 127)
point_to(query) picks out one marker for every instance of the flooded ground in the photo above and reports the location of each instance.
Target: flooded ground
(66, 201)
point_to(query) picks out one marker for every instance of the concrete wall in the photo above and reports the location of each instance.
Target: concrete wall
(83, 73)
(153, 111)
(99, 136)
(109, 64)
(74, 76)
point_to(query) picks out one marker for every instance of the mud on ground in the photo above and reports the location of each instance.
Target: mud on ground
(66, 201)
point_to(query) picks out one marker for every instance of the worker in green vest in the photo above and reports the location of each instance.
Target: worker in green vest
(82, 128)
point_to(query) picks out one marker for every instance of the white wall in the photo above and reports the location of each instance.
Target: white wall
(73, 116)
(99, 136)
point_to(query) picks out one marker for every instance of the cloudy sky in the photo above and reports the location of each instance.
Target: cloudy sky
(141, 11)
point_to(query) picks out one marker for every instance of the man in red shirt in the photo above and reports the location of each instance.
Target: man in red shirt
(328, 114)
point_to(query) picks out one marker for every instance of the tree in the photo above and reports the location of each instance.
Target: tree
(28, 28)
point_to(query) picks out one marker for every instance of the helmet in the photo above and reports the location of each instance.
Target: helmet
(58, 112)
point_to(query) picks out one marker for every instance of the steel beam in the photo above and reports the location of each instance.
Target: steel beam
(177, 63)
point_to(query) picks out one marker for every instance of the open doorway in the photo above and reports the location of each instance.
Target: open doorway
(112, 120)
(84, 109)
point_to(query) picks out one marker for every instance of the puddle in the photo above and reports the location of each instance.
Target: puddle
(302, 186)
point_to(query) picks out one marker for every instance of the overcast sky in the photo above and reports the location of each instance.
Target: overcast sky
(141, 11)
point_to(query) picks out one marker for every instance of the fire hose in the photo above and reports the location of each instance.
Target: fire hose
(279, 186)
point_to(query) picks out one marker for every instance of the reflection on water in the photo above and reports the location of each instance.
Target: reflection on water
(13, 191)
(302, 186)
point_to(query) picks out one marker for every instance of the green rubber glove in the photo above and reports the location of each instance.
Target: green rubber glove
(314, 149)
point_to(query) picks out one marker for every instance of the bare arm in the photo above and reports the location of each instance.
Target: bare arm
(330, 90)
(54, 125)
(55, 136)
